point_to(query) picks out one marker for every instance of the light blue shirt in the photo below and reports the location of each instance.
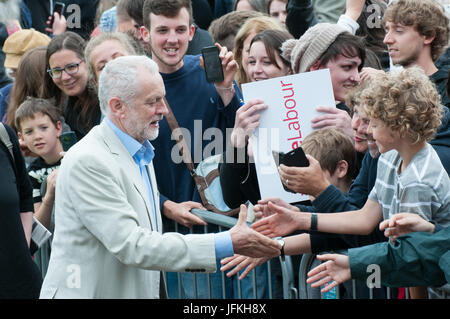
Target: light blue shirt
(142, 155)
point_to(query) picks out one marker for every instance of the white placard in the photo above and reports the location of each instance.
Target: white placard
(292, 101)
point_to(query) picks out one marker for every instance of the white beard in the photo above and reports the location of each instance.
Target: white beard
(9, 10)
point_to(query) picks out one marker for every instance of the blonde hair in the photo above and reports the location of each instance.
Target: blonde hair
(253, 25)
(124, 39)
(406, 102)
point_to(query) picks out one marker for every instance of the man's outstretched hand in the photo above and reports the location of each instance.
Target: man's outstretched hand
(250, 243)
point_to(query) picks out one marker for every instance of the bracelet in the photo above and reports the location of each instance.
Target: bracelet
(313, 222)
(231, 88)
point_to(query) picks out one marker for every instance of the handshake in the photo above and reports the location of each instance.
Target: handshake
(254, 246)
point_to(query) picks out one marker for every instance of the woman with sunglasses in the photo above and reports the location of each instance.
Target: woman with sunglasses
(67, 81)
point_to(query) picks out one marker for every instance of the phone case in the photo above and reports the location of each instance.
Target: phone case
(295, 158)
(212, 64)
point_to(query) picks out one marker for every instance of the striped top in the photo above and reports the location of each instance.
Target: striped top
(422, 188)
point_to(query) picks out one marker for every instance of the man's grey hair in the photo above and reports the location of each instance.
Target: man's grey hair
(119, 79)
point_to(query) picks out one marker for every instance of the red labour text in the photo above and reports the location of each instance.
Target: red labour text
(290, 115)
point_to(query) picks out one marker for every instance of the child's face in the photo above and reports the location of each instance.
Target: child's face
(385, 138)
(40, 134)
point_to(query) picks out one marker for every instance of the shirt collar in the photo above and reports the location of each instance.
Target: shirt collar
(142, 153)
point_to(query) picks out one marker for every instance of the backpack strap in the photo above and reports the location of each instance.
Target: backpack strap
(4, 136)
(201, 182)
(177, 134)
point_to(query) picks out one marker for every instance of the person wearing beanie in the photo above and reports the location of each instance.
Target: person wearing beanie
(304, 52)
(321, 47)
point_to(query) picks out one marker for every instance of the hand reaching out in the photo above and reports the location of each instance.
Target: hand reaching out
(248, 242)
(283, 222)
(404, 223)
(239, 262)
(262, 209)
(336, 268)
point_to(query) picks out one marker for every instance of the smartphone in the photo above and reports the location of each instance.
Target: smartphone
(296, 158)
(58, 7)
(213, 64)
(68, 139)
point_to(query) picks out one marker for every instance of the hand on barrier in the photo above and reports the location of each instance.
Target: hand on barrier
(180, 212)
(335, 269)
(239, 262)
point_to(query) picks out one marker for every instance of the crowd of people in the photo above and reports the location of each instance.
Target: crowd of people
(118, 202)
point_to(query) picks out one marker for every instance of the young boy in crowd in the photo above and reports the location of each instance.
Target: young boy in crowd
(39, 126)
(338, 165)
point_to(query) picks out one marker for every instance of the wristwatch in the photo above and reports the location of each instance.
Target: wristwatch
(281, 241)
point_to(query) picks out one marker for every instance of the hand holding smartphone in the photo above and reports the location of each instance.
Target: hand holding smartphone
(213, 64)
(295, 158)
(58, 7)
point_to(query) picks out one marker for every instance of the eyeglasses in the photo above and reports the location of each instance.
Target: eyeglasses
(70, 69)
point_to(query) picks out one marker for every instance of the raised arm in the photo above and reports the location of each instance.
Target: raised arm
(285, 221)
